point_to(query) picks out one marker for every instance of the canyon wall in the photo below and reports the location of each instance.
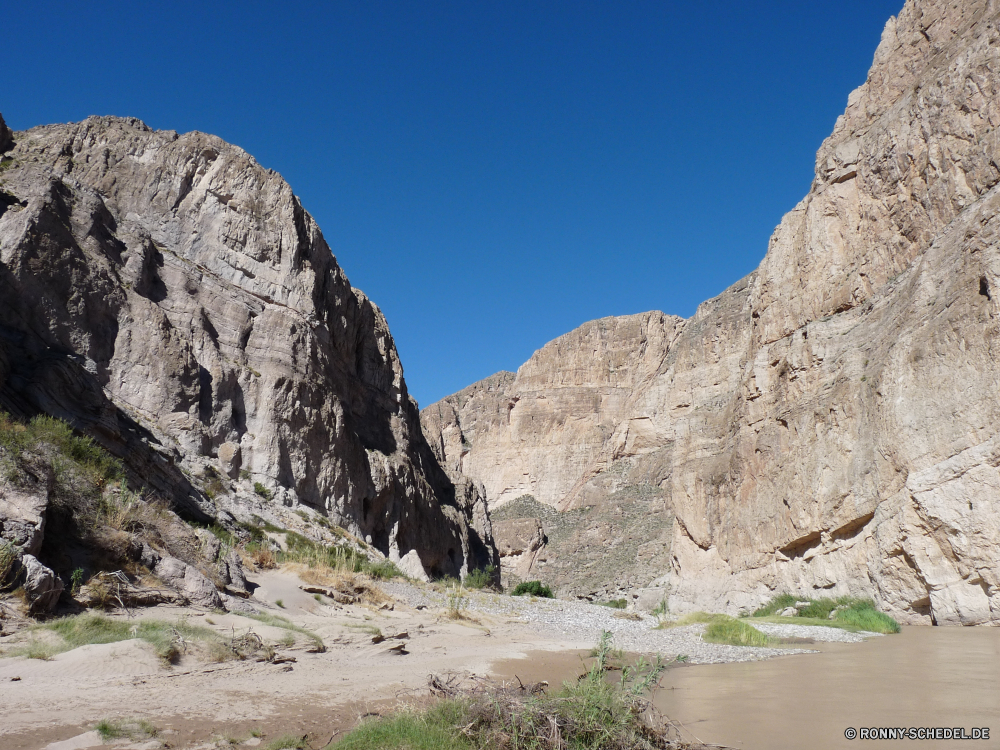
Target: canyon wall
(826, 426)
(171, 298)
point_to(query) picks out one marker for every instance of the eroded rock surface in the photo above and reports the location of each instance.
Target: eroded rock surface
(828, 425)
(170, 297)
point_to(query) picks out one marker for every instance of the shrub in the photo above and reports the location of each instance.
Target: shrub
(261, 490)
(593, 713)
(99, 466)
(8, 563)
(533, 588)
(456, 603)
(480, 578)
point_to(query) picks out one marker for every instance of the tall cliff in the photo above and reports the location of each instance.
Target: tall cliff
(827, 425)
(168, 296)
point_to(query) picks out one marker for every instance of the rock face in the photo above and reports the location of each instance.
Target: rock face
(829, 424)
(170, 297)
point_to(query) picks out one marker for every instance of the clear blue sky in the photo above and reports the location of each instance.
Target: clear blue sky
(493, 173)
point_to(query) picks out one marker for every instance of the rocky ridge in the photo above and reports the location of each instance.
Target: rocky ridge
(169, 297)
(828, 424)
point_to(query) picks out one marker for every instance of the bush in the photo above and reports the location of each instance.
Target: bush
(8, 563)
(593, 713)
(261, 490)
(99, 466)
(533, 588)
(480, 579)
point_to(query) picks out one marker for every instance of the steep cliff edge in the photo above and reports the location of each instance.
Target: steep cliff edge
(171, 298)
(829, 424)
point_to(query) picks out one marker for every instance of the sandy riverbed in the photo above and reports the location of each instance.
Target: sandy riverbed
(196, 704)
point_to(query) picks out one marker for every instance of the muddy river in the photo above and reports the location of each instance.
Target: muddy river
(923, 678)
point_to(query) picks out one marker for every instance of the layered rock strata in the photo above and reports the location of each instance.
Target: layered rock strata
(171, 298)
(829, 424)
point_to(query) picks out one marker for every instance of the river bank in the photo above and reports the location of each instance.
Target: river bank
(376, 657)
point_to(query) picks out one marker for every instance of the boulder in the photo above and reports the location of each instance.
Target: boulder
(189, 581)
(42, 587)
(6, 137)
(232, 573)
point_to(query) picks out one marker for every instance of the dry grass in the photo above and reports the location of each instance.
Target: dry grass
(345, 581)
(260, 557)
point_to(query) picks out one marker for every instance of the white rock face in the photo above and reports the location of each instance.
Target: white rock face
(829, 424)
(171, 297)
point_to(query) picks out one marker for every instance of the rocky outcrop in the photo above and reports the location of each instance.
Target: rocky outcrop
(171, 298)
(828, 425)
(42, 587)
(6, 137)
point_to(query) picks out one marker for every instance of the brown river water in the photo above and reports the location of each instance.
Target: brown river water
(925, 677)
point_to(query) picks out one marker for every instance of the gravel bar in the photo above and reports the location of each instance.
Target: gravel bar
(582, 621)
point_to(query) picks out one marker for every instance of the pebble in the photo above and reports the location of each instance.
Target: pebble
(582, 621)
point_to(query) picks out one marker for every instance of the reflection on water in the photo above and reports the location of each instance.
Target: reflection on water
(923, 677)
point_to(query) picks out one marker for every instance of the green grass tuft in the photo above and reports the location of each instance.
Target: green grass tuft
(734, 632)
(89, 628)
(615, 603)
(852, 613)
(134, 729)
(433, 729)
(288, 742)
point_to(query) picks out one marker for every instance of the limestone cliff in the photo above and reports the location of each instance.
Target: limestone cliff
(170, 297)
(829, 424)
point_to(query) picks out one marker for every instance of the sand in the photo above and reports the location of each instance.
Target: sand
(55, 704)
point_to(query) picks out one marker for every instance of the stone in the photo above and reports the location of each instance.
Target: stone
(6, 137)
(232, 573)
(42, 587)
(411, 566)
(189, 581)
(800, 605)
(22, 516)
(231, 459)
(789, 612)
(210, 544)
(519, 542)
(828, 425)
(172, 299)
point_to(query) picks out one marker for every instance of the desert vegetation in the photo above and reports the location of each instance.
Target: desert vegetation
(593, 712)
(532, 588)
(721, 628)
(847, 612)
